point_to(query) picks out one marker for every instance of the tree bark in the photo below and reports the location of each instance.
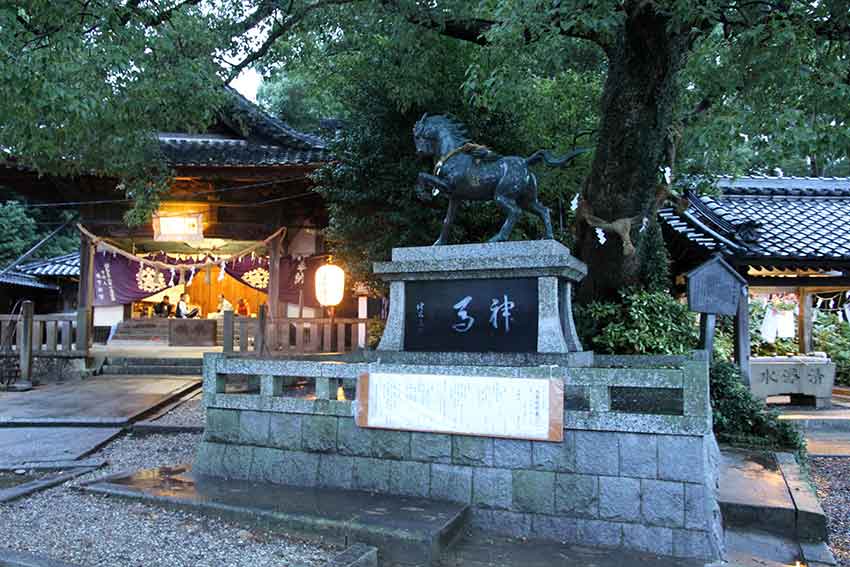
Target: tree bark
(636, 115)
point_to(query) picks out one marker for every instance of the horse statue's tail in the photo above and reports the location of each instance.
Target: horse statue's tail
(554, 161)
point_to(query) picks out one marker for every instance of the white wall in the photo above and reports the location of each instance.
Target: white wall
(108, 315)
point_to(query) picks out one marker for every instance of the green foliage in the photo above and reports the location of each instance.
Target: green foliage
(370, 192)
(654, 260)
(294, 99)
(778, 96)
(741, 419)
(87, 84)
(19, 231)
(375, 329)
(642, 323)
(22, 229)
(724, 344)
(832, 336)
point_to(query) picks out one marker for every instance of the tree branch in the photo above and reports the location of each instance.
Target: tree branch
(277, 31)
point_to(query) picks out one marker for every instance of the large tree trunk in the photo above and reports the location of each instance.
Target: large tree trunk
(636, 114)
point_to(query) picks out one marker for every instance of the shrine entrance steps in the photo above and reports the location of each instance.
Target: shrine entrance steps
(827, 431)
(154, 330)
(150, 366)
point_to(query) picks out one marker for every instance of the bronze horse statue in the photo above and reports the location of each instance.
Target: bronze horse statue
(466, 171)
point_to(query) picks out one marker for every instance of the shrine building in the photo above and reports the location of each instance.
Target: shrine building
(240, 222)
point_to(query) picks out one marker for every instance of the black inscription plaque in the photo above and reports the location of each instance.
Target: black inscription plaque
(498, 315)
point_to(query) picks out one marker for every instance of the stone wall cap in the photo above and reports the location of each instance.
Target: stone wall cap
(481, 250)
(531, 257)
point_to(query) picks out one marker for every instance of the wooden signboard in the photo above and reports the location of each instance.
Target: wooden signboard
(512, 408)
(715, 287)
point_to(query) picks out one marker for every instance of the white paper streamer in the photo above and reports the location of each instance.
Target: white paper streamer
(574, 203)
(171, 279)
(221, 271)
(644, 224)
(600, 236)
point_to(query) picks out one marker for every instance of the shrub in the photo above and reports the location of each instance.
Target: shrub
(375, 330)
(741, 419)
(643, 323)
(832, 336)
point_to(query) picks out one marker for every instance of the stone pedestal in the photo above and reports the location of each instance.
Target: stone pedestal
(478, 394)
(797, 376)
(471, 297)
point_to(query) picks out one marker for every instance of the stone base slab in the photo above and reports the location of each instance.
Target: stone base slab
(407, 530)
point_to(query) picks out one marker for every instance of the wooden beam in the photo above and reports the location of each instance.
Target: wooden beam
(809, 282)
(274, 249)
(804, 321)
(85, 291)
(742, 335)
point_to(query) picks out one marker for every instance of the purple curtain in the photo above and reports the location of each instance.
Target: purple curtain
(119, 280)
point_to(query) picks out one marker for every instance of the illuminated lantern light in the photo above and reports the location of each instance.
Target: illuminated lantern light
(178, 228)
(330, 285)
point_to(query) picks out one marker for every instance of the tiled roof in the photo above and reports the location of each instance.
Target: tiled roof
(67, 265)
(25, 280)
(258, 139)
(770, 218)
(211, 150)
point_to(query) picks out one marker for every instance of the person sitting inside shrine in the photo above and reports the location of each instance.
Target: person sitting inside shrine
(223, 304)
(242, 308)
(183, 311)
(163, 308)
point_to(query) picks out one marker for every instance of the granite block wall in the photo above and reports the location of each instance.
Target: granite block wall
(641, 491)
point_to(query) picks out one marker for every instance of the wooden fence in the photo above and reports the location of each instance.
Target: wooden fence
(60, 335)
(291, 335)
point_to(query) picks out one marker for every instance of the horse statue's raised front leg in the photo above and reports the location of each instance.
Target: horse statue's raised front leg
(447, 222)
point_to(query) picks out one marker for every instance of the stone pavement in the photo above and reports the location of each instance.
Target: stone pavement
(103, 401)
(828, 443)
(482, 550)
(20, 445)
(827, 431)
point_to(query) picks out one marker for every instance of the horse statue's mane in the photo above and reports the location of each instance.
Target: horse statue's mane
(459, 132)
(451, 124)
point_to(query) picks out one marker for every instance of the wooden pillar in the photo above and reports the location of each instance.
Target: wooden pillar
(274, 291)
(804, 321)
(25, 341)
(742, 335)
(227, 331)
(707, 322)
(85, 293)
(261, 346)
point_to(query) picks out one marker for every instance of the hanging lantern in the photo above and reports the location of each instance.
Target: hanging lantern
(178, 228)
(330, 285)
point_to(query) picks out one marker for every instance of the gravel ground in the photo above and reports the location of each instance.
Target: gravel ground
(832, 478)
(88, 529)
(190, 412)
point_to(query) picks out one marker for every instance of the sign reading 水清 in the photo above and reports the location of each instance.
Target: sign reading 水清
(514, 408)
(474, 315)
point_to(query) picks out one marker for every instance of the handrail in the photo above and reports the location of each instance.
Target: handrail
(292, 335)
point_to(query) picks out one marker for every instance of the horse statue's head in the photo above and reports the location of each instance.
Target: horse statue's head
(432, 134)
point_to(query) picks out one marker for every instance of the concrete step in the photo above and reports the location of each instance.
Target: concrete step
(154, 361)
(407, 530)
(765, 491)
(169, 370)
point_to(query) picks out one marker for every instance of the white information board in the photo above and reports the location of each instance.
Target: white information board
(515, 408)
